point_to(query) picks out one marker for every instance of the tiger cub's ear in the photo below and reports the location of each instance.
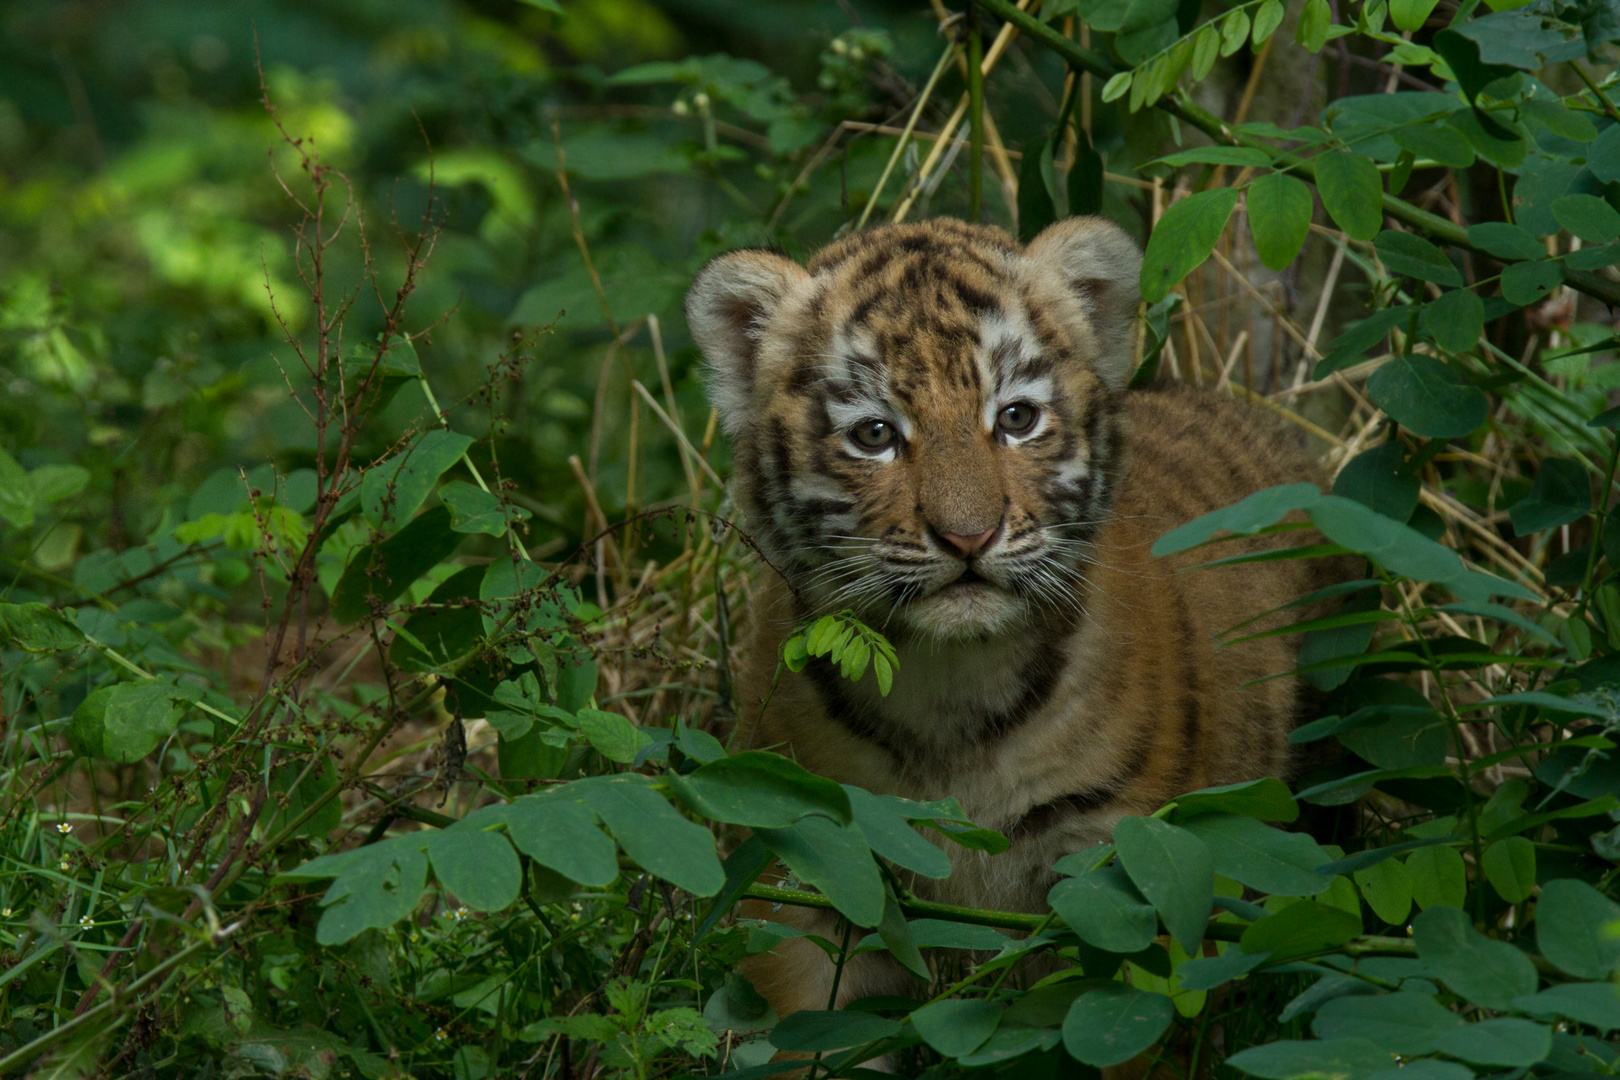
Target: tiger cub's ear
(1098, 265)
(728, 308)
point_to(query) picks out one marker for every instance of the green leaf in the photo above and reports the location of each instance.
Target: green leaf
(1216, 155)
(957, 1026)
(1455, 320)
(321, 778)
(1085, 177)
(1398, 548)
(1575, 929)
(1206, 50)
(1361, 336)
(1425, 395)
(1173, 869)
(1406, 1023)
(1266, 798)
(1603, 156)
(1561, 494)
(1266, 20)
(1261, 857)
(1300, 929)
(381, 572)
(1442, 145)
(896, 935)
(1323, 1059)
(1035, 208)
(1117, 85)
(1183, 239)
(884, 823)
(1113, 1024)
(1486, 972)
(562, 835)
(1501, 1041)
(1526, 283)
(479, 868)
(1510, 865)
(1462, 55)
(1588, 217)
(1594, 1004)
(1381, 480)
(1410, 14)
(1593, 258)
(836, 860)
(16, 493)
(813, 1030)
(766, 790)
(1106, 910)
(375, 890)
(613, 736)
(1412, 256)
(1387, 888)
(84, 733)
(1243, 518)
(37, 628)
(649, 830)
(1208, 972)
(1280, 208)
(391, 491)
(53, 483)
(1439, 878)
(474, 510)
(1352, 192)
(1314, 23)
(1506, 241)
(139, 717)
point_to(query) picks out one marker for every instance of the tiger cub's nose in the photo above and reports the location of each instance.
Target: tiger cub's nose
(971, 545)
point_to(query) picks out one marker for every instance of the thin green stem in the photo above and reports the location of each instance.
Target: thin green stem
(1603, 99)
(899, 146)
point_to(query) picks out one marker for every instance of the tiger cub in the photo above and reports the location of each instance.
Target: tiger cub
(932, 428)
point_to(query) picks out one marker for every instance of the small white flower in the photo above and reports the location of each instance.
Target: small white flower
(87, 922)
(64, 865)
(5, 913)
(440, 1035)
(459, 914)
(63, 827)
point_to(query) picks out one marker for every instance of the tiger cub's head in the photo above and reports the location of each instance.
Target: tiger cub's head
(926, 417)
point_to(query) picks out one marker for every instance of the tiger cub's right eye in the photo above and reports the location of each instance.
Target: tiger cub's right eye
(873, 434)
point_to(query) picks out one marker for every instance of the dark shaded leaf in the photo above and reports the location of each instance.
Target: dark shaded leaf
(1486, 972)
(1111, 1025)
(1183, 239)
(1561, 493)
(1173, 869)
(1425, 395)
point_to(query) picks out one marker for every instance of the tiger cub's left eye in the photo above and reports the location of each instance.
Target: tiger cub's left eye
(1017, 418)
(873, 434)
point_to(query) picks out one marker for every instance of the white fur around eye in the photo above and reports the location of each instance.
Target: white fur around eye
(845, 415)
(1038, 392)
